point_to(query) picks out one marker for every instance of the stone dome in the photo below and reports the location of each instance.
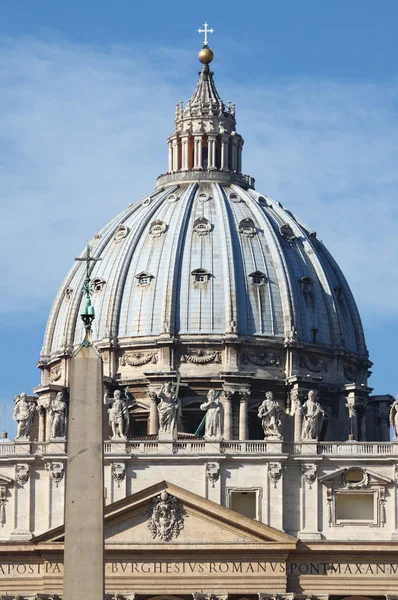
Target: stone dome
(208, 259)
(206, 273)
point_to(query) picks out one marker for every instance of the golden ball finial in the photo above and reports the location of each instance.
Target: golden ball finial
(205, 55)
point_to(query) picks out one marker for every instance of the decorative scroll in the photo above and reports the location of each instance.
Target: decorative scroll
(213, 472)
(201, 357)
(261, 359)
(137, 359)
(166, 517)
(56, 471)
(314, 364)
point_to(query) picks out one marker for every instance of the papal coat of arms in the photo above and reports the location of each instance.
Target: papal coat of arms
(166, 517)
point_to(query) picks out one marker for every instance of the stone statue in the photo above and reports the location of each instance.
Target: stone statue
(119, 416)
(213, 415)
(24, 412)
(169, 408)
(313, 415)
(270, 414)
(394, 418)
(58, 416)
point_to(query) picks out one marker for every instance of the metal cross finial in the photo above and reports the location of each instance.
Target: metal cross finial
(88, 259)
(205, 31)
(87, 314)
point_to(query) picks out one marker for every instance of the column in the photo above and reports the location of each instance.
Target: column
(170, 157)
(42, 423)
(239, 161)
(244, 396)
(212, 151)
(175, 154)
(234, 158)
(224, 152)
(153, 414)
(184, 153)
(228, 414)
(198, 152)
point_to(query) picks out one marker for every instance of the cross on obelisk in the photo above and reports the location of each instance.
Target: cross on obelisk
(87, 314)
(205, 31)
(84, 573)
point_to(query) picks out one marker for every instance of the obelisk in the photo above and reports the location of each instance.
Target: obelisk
(84, 505)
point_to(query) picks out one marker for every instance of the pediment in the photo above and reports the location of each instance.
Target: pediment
(336, 479)
(203, 522)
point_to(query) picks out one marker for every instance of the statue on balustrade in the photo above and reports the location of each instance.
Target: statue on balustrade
(213, 429)
(119, 416)
(394, 418)
(23, 414)
(58, 416)
(270, 414)
(313, 416)
(169, 408)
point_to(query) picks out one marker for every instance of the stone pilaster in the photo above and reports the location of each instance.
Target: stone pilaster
(224, 152)
(22, 499)
(309, 503)
(274, 507)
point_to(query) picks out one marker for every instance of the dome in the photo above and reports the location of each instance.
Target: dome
(209, 259)
(206, 279)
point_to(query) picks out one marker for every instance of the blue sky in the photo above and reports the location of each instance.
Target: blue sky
(87, 95)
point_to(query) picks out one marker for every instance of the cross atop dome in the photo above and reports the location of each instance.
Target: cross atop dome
(205, 31)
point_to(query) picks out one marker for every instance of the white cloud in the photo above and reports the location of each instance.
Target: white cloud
(83, 134)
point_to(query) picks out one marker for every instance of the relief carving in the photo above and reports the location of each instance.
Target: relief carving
(201, 357)
(314, 364)
(56, 471)
(166, 517)
(309, 473)
(55, 374)
(350, 373)
(213, 473)
(261, 359)
(118, 471)
(22, 473)
(275, 472)
(137, 359)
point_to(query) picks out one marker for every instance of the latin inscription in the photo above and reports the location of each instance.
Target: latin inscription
(121, 569)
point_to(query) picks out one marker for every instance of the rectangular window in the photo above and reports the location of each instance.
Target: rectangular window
(244, 503)
(355, 507)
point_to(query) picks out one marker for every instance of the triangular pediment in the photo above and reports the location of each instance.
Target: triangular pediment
(371, 477)
(127, 523)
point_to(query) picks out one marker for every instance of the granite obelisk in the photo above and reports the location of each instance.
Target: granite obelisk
(84, 506)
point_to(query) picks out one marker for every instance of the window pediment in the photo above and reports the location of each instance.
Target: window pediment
(202, 226)
(144, 278)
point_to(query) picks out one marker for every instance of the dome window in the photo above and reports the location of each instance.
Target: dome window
(261, 200)
(339, 293)
(68, 293)
(287, 232)
(121, 232)
(247, 228)
(97, 284)
(203, 197)
(257, 278)
(147, 201)
(157, 228)
(307, 285)
(200, 276)
(172, 198)
(201, 226)
(234, 197)
(144, 279)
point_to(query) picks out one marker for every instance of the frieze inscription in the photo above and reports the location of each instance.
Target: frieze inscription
(120, 568)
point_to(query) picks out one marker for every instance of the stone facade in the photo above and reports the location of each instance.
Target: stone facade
(245, 457)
